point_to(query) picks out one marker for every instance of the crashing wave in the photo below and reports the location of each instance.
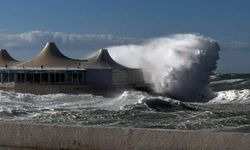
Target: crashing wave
(177, 65)
(232, 96)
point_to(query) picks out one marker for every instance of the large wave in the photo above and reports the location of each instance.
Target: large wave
(178, 65)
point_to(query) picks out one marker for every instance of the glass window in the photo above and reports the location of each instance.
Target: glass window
(22, 77)
(75, 77)
(62, 77)
(37, 78)
(29, 77)
(44, 77)
(5, 77)
(80, 77)
(70, 77)
(11, 77)
(57, 77)
(52, 77)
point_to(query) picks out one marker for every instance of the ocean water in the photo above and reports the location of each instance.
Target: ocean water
(229, 110)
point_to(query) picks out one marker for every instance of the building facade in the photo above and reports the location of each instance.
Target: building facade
(53, 72)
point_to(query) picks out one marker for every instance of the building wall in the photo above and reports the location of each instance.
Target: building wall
(135, 76)
(119, 77)
(84, 77)
(99, 76)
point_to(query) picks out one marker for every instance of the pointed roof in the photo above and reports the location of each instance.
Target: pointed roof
(6, 59)
(50, 56)
(102, 60)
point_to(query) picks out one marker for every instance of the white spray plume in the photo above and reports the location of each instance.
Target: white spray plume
(178, 65)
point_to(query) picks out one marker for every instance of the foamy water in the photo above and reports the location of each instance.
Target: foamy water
(229, 110)
(232, 96)
(179, 65)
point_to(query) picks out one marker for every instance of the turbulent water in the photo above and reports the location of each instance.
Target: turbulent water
(178, 65)
(228, 111)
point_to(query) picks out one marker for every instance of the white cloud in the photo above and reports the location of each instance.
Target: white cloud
(33, 41)
(28, 44)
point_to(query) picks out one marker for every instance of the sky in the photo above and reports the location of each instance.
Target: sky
(80, 27)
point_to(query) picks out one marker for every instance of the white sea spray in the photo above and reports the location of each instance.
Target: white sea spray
(178, 65)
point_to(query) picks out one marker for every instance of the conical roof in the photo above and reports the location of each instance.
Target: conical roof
(102, 60)
(50, 56)
(6, 59)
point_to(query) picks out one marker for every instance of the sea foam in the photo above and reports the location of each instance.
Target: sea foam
(177, 65)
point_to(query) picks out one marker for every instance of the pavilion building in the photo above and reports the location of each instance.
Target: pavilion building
(53, 72)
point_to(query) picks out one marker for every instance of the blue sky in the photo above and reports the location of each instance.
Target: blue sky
(126, 21)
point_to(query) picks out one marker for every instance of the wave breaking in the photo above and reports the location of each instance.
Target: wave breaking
(178, 65)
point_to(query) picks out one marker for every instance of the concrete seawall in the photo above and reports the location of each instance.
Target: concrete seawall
(37, 136)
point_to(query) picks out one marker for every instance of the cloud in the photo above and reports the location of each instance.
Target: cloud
(33, 41)
(26, 45)
(235, 45)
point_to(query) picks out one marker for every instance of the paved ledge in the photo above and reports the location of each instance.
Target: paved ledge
(36, 136)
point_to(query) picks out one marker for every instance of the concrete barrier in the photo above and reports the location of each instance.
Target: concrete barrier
(37, 136)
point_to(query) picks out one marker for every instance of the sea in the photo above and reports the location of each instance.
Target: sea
(228, 111)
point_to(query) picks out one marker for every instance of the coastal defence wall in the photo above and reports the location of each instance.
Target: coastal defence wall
(38, 136)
